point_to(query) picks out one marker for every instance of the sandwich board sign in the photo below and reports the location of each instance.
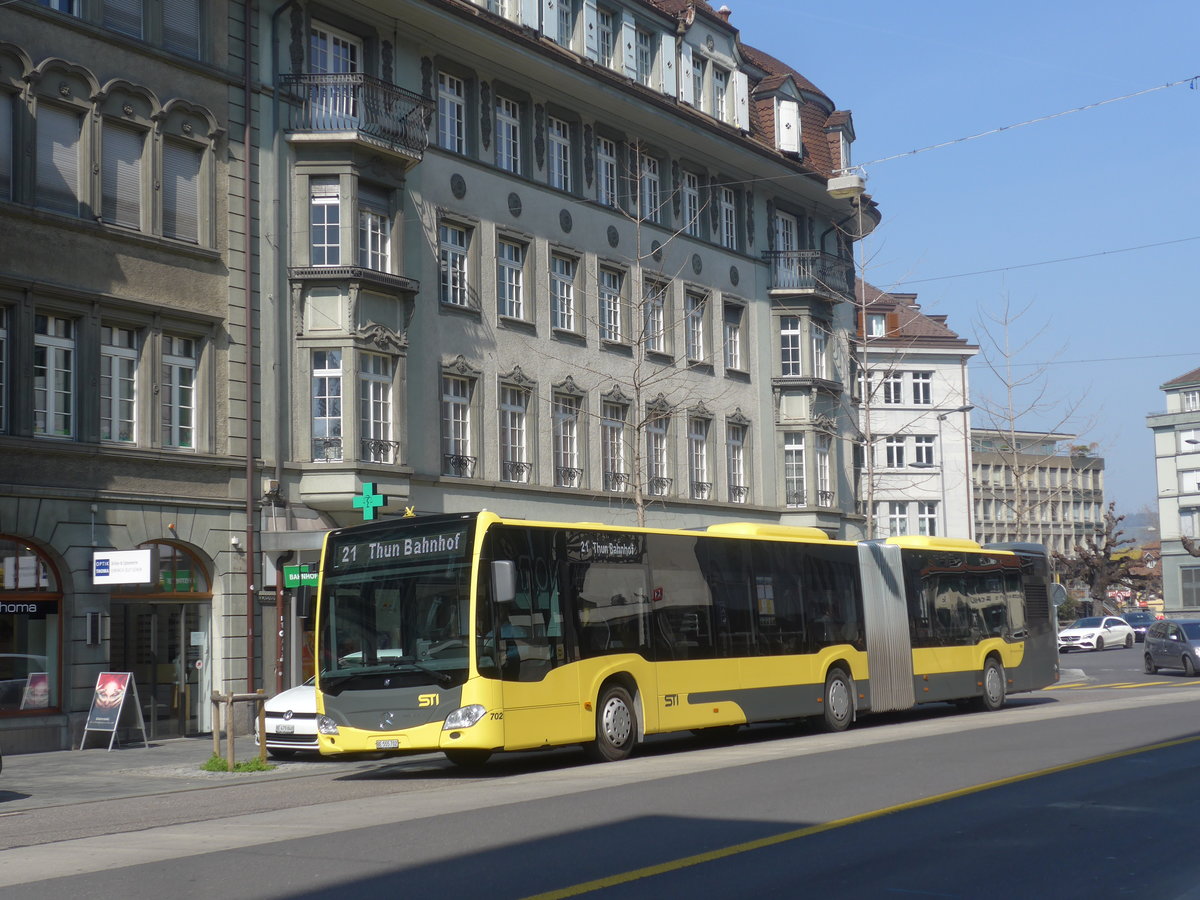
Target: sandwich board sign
(108, 702)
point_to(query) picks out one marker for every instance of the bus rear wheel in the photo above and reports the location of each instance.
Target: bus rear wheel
(468, 759)
(838, 702)
(994, 687)
(616, 726)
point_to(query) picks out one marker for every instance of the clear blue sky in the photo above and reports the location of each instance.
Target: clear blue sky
(1110, 329)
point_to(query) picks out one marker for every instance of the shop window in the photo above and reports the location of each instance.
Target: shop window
(29, 630)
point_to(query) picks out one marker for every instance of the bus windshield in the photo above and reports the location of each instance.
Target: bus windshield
(396, 603)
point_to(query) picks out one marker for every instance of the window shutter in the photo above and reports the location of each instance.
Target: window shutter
(180, 192)
(121, 175)
(628, 44)
(686, 93)
(591, 31)
(741, 100)
(58, 160)
(124, 16)
(668, 65)
(6, 146)
(181, 27)
(550, 19)
(787, 126)
(529, 13)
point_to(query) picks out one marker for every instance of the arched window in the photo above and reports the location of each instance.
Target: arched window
(182, 574)
(30, 601)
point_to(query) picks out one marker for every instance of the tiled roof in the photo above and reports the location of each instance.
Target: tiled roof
(911, 323)
(1192, 377)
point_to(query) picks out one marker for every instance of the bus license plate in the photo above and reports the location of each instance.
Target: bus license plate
(388, 744)
(285, 729)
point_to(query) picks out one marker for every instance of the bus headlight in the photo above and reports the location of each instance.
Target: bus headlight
(464, 717)
(326, 725)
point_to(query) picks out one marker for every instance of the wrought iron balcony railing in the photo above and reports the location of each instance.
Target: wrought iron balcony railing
(568, 476)
(615, 481)
(701, 489)
(379, 451)
(811, 271)
(796, 498)
(825, 498)
(658, 485)
(457, 464)
(515, 470)
(327, 449)
(738, 493)
(364, 104)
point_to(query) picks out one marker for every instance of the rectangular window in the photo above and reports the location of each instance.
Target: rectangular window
(897, 518)
(514, 465)
(1188, 440)
(1189, 522)
(567, 471)
(6, 146)
(53, 376)
(893, 389)
(923, 449)
(611, 328)
(181, 27)
(735, 462)
(790, 363)
(644, 56)
(566, 22)
(325, 222)
(327, 405)
(793, 469)
(121, 175)
(559, 133)
(1190, 401)
(1189, 481)
(694, 310)
(3, 369)
(690, 192)
(452, 113)
(876, 325)
(658, 473)
(181, 192)
(701, 486)
(58, 175)
(922, 388)
(374, 229)
(124, 16)
(699, 65)
(612, 446)
(1189, 586)
(729, 218)
(820, 345)
(375, 408)
(508, 134)
(510, 279)
(648, 187)
(118, 384)
(606, 172)
(732, 336)
(894, 452)
(654, 296)
(178, 391)
(606, 38)
(720, 93)
(452, 242)
(456, 426)
(824, 470)
(562, 292)
(335, 54)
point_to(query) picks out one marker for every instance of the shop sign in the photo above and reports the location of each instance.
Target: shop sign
(123, 567)
(295, 576)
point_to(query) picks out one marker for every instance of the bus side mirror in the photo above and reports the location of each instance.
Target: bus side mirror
(504, 580)
(304, 601)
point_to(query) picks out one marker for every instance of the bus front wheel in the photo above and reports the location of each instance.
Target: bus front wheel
(839, 701)
(468, 759)
(616, 726)
(994, 690)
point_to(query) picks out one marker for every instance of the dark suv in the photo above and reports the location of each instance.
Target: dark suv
(1173, 644)
(1139, 621)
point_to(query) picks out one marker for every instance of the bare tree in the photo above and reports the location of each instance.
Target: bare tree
(1101, 563)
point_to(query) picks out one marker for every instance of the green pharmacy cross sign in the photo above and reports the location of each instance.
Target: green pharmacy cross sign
(369, 501)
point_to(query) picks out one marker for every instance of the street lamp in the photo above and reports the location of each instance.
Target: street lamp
(965, 408)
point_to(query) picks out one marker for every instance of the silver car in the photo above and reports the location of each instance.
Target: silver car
(1173, 644)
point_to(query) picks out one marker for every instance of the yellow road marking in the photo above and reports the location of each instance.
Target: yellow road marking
(686, 862)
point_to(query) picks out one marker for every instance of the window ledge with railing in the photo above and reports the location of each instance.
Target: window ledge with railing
(811, 272)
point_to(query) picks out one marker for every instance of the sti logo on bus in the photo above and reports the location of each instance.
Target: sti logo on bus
(427, 700)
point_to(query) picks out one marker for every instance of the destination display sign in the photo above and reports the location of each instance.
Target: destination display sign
(605, 546)
(405, 547)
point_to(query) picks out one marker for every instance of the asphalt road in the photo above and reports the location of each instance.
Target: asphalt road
(932, 803)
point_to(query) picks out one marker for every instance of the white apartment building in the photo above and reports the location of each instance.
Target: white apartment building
(1177, 467)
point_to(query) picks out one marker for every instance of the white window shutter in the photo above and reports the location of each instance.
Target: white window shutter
(628, 44)
(686, 94)
(550, 19)
(668, 65)
(530, 10)
(741, 100)
(591, 30)
(787, 126)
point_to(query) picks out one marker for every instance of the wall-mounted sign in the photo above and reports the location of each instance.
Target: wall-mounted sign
(294, 576)
(123, 567)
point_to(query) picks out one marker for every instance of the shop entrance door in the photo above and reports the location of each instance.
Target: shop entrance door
(166, 647)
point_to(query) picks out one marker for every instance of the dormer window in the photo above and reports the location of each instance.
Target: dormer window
(721, 93)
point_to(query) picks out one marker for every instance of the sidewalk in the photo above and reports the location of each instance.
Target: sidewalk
(64, 777)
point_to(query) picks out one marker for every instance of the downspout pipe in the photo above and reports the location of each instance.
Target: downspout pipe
(251, 359)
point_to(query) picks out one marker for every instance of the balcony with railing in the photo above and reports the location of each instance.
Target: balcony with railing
(360, 106)
(811, 272)
(616, 481)
(701, 490)
(458, 465)
(568, 476)
(738, 493)
(517, 471)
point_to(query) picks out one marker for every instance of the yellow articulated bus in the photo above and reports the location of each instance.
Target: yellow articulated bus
(471, 634)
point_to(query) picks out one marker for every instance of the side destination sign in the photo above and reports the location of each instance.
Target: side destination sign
(412, 548)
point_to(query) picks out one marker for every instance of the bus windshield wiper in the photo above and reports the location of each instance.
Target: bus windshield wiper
(410, 662)
(336, 680)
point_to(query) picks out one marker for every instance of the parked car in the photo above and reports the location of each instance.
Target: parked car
(1095, 633)
(1173, 644)
(1139, 622)
(291, 722)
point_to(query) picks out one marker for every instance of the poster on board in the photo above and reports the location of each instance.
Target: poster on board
(112, 689)
(37, 691)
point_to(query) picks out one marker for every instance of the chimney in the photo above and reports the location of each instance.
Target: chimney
(725, 12)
